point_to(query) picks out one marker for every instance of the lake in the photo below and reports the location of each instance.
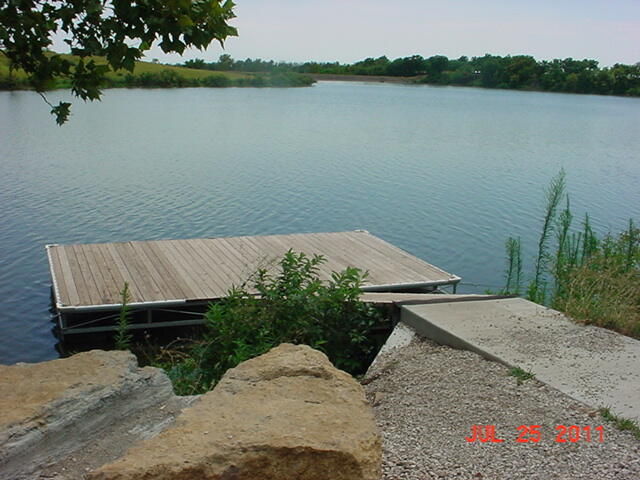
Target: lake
(445, 173)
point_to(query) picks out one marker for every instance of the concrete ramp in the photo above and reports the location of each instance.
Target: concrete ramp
(595, 366)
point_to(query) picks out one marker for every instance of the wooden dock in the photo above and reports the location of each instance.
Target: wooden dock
(174, 274)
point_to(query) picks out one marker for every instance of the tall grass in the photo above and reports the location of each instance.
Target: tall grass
(594, 280)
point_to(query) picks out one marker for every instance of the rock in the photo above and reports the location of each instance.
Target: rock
(83, 411)
(288, 414)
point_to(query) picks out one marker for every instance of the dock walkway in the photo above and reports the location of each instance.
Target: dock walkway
(88, 278)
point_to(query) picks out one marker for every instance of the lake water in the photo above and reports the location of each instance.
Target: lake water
(445, 173)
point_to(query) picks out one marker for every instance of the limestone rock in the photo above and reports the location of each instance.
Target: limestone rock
(79, 412)
(288, 414)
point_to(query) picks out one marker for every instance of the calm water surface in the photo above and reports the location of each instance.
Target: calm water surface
(445, 173)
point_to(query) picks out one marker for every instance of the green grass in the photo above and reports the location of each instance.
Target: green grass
(520, 374)
(189, 73)
(141, 68)
(621, 423)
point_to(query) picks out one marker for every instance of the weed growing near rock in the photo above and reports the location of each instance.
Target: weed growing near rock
(520, 374)
(621, 423)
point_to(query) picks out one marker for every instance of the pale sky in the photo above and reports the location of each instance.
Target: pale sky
(351, 30)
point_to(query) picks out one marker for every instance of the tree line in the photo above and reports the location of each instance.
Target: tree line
(521, 72)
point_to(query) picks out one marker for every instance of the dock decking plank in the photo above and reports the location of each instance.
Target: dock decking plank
(230, 262)
(382, 270)
(174, 270)
(102, 278)
(111, 280)
(62, 292)
(175, 259)
(114, 273)
(415, 266)
(336, 261)
(206, 277)
(211, 264)
(192, 270)
(74, 296)
(154, 268)
(247, 249)
(165, 270)
(267, 259)
(205, 269)
(82, 275)
(216, 261)
(135, 291)
(403, 257)
(236, 257)
(149, 289)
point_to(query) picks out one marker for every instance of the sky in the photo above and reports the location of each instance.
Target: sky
(351, 30)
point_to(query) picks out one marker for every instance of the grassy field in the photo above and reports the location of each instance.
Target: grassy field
(189, 73)
(149, 74)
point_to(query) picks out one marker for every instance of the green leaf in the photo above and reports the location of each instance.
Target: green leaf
(61, 112)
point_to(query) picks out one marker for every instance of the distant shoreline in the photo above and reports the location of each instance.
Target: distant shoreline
(362, 78)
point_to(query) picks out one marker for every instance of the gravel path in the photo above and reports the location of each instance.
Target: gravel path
(427, 397)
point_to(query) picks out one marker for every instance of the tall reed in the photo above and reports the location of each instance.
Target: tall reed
(538, 286)
(514, 266)
(593, 280)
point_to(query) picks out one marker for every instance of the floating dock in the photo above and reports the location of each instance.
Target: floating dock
(172, 281)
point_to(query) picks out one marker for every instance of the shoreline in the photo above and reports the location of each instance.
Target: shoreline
(361, 78)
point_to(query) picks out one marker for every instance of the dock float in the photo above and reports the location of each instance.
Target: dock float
(172, 281)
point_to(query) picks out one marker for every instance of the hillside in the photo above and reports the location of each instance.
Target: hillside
(150, 75)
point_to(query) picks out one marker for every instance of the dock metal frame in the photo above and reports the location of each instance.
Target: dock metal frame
(87, 319)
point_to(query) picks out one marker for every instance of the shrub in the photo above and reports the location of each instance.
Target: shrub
(217, 81)
(293, 306)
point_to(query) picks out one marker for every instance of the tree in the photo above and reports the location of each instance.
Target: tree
(435, 66)
(225, 62)
(118, 30)
(407, 66)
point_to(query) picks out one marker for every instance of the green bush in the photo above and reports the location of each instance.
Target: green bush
(162, 79)
(291, 306)
(217, 81)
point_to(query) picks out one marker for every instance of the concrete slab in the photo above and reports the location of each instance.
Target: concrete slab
(417, 298)
(593, 365)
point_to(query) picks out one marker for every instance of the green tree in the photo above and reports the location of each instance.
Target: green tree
(435, 66)
(491, 71)
(118, 30)
(225, 62)
(197, 63)
(407, 66)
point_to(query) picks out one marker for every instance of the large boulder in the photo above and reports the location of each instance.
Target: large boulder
(60, 418)
(288, 414)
